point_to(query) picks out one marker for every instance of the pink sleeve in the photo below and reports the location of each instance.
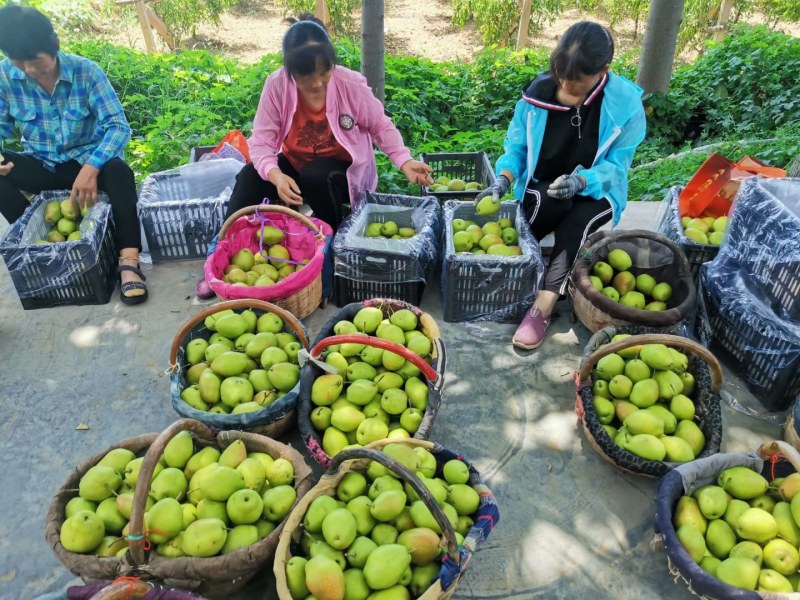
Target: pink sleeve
(382, 129)
(264, 144)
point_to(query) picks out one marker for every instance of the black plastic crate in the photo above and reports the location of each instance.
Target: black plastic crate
(468, 166)
(366, 268)
(488, 287)
(762, 354)
(47, 275)
(670, 226)
(181, 210)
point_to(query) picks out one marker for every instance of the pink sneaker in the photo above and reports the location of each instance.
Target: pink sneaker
(530, 333)
(203, 291)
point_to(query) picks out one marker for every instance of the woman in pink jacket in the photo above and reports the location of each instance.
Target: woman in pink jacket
(313, 132)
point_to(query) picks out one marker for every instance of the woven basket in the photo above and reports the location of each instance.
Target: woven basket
(780, 460)
(215, 577)
(596, 311)
(708, 380)
(273, 420)
(427, 325)
(358, 459)
(311, 371)
(301, 292)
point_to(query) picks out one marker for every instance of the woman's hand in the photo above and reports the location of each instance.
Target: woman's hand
(84, 190)
(566, 186)
(417, 172)
(288, 190)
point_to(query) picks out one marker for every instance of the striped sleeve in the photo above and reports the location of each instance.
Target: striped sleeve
(111, 122)
(6, 124)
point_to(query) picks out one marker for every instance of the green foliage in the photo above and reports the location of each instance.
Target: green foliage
(341, 12)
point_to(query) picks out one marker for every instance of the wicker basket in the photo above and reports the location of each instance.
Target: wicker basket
(215, 577)
(301, 292)
(779, 460)
(427, 325)
(596, 311)
(311, 371)
(790, 432)
(708, 380)
(273, 420)
(358, 459)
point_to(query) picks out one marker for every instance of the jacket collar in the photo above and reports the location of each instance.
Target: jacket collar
(541, 92)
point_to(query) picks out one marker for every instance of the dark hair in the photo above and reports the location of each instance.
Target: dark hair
(584, 49)
(307, 46)
(25, 32)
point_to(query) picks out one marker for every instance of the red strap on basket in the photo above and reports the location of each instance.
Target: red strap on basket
(772, 462)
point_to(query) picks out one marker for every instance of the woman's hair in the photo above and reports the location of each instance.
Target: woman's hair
(307, 46)
(25, 32)
(584, 49)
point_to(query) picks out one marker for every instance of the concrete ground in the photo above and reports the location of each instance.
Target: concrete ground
(571, 525)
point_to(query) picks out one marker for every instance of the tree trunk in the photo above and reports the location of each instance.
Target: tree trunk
(524, 22)
(658, 47)
(372, 45)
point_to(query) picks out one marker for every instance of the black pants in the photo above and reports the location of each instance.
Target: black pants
(323, 185)
(115, 179)
(570, 221)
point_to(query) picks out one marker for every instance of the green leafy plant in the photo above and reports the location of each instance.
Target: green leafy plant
(341, 12)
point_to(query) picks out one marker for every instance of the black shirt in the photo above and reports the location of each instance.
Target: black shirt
(565, 145)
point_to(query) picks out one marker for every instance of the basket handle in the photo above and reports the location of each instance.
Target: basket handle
(656, 338)
(151, 457)
(780, 447)
(427, 370)
(233, 304)
(122, 590)
(265, 208)
(373, 452)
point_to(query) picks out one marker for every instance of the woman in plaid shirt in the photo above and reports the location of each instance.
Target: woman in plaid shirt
(73, 132)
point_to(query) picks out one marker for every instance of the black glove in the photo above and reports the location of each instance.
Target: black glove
(566, 187)
(497, 190)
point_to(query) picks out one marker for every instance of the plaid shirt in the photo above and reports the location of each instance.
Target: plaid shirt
(82, 120)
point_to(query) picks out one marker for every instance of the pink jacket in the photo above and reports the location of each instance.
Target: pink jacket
(356, 118)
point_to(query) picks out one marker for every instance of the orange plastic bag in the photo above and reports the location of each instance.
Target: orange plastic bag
(712, 189)
(236, 139)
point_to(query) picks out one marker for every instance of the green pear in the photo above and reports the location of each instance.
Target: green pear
(269, 322)
(427, 462)
(371, 430)
(748, 550)
(610, 366)
(738, 572)
(99, 483)
(131, 475)
(644, 393)
(350, 486)
(463, 498)
(423, 544)
(756, 525)
(422, 578)
(386, 565)
(383, 534)
(117, 459)
(78, 504)
(220, 482)
(189, 514)
(742, 483)
(209, 385)
(712, 501)
(367, 319)
(692, 541)
(669, 384)
(787, 526)
(688, 383)
(361, 509)
(720, 538)
(296, 577)
(733, 511)
(657, 356)
(164, 520)
(204, 538)
(113, 520)
(669, 420)
(647, 446)
(388, 505)
(82, 532)
(233, 455)
(387, 381)
(764, 502)
(200, 459)
(111, 545)
(317, 511)
(241, 536)
(229, 364)
(789, 487)
(417, 392)
(709, 564)
(170, 483)
(644, 422)
(259, 343)
(264, 527)
(244, 507)
(772, 581)
(359, 550)
(284, 376)
(781, 556)
(339, 528)
(193, 373)
(691, 433)
(687, 512)
(278, 502)
(682, 407)
(324, 578)
(355, 585)
(334, 440)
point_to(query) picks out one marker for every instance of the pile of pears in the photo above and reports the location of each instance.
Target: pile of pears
(245, 364)
(498, 238)
(202, 502)
(263, 268)
(374, 538)
(642, 396)
(65, 218)
(374, 393)
(614, 279)
(389, 230)
(445, 184)
(704, 230)
(744, 531)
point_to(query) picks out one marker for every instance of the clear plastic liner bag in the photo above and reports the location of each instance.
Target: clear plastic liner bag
(482, 287)
(413, 259)
(38, 267)
(195, 181)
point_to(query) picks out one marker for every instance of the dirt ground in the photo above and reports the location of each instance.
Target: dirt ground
(413, 27)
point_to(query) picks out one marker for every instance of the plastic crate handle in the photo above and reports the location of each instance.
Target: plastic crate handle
(375, 259)
(483, 269)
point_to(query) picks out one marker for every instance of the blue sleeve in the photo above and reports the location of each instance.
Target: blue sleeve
(515, 144)
(612, 170)
(111, 121)
(6, 124)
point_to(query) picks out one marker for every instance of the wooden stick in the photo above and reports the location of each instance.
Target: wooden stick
(161, 28)
(524, 21)
(722, 20)
(149, 41)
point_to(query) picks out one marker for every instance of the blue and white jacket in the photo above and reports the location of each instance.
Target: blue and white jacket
(622, 129)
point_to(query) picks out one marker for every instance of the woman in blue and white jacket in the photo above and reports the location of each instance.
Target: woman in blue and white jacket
(567, 152)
